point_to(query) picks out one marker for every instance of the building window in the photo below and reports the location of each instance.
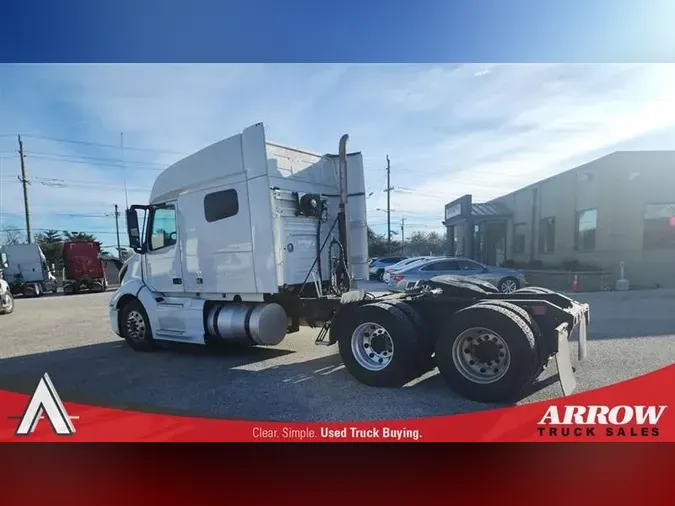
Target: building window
(587, 226)
(659, 226)
(519, 239)
(163, 230)
(221, 205)
(547, 235)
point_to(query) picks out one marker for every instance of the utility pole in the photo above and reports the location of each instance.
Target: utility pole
(402, 235)
(124, 170)
(388, 206)
(117, 229)
(24, 183)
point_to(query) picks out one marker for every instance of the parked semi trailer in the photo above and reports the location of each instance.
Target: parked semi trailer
(27, 271)
(83, 267)
(247, 241)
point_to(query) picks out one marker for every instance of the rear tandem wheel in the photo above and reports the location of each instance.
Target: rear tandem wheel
(487, 353)
(380, 345)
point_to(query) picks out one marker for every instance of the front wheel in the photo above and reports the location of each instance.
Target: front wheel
(135, 327)
(7, 305)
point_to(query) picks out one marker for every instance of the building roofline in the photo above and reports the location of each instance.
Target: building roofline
(579, 167)
(536, 183)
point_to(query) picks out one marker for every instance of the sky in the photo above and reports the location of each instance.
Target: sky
(484, 129)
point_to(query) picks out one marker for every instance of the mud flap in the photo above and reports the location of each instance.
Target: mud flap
(565, 371)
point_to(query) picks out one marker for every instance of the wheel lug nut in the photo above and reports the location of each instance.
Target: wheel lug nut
(482, 369)
(471, 362)
(501, 354)
(381, 360)
(366, 345)
(466, 350)
(371, 355)
(495, 370)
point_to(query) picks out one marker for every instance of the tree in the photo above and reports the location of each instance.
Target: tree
(12, 235)
(51, 243)
(79, 236)
(377, 245)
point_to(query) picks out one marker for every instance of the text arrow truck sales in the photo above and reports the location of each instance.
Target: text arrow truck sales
(590, 420)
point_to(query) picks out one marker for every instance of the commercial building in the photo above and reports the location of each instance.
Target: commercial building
(618, 208)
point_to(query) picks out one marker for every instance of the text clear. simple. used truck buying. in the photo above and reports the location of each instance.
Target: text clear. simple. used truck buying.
(246, 241)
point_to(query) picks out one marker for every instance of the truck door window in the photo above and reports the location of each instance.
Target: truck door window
(163, 231)
(220, 205)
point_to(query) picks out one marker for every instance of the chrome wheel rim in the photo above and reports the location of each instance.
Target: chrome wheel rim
(481, 355)
(372, 346)
(509, 286)
(135, 326)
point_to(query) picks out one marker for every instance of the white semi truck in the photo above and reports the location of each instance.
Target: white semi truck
(27, 271)
(246, 241)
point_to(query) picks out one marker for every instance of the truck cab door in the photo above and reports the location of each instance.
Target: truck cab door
(162, 258)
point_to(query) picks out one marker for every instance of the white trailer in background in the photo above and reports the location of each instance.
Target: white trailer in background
(246, 241)
(27, 271)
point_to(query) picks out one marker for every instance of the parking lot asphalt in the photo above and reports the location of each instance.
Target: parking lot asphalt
(631, 333)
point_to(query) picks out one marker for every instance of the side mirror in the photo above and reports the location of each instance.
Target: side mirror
(134, 231)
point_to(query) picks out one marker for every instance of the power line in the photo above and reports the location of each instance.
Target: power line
(100, 145)
(119, 161)
(72, 183)
(68, 215)
(85, 162)
(92, 232)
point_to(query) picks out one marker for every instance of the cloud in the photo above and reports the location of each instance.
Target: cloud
(448, 129)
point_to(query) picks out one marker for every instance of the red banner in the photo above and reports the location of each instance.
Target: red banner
(637, 410)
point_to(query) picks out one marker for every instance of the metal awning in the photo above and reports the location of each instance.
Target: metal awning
(481, 212)
(489, 210)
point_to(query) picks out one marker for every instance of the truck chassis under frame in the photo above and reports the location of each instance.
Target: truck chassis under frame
(432, 308)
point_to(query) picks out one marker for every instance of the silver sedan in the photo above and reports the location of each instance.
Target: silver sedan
(506, 280)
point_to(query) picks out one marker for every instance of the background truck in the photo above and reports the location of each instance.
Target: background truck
(246, 241)
(6, 298)
(83, 267)
(27, 271)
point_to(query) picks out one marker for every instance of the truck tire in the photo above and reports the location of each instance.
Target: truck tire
(533, 289)
(427, 362)
(532, 323)
(379, 345)
(487, 353)
(135, 326)
(455, 287)
(483, 285)
(9, 308)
